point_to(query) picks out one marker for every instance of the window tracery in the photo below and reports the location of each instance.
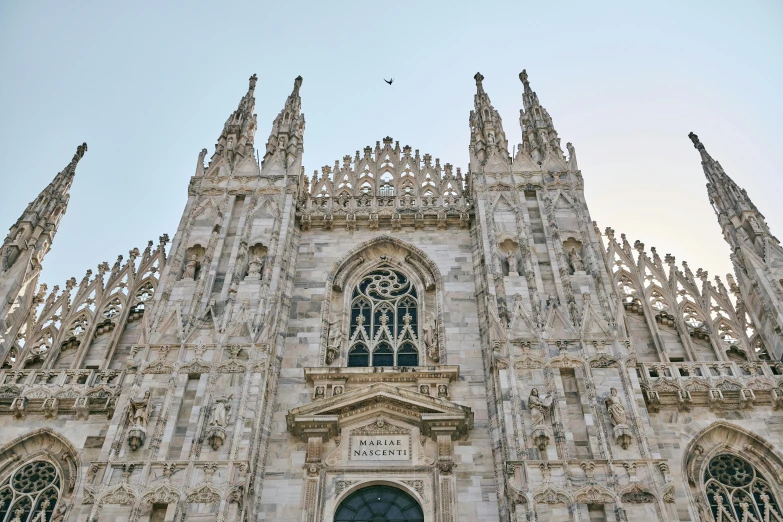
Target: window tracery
(30, 493)
(384, 320)
(736, 491)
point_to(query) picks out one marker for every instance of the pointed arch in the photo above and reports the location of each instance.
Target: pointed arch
(722, 440)
(38, 471)
(413, 324)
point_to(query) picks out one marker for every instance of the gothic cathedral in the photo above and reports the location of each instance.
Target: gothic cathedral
(392, 340)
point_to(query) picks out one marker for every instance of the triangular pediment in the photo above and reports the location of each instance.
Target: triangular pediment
(326, 417)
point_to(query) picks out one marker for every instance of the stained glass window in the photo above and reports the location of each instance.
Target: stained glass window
(384, 321)
(737, 492)
(30, 492)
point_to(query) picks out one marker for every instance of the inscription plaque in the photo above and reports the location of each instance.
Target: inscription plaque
(380, 447)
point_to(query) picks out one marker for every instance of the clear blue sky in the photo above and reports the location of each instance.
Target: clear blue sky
(148, 85)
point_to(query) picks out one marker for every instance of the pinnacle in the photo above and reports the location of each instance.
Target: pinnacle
(695, 139)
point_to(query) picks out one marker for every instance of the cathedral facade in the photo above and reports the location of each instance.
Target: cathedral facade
(392, 339)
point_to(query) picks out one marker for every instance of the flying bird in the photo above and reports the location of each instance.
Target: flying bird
(388, 81)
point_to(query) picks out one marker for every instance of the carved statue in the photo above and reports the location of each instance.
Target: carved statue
(139, 412)
(513, 264)
(430, 333)
(537, 408)
(319, 392)
(190, 268)
(615, 408)
(255, 267)
(138, 417)
(220, 412)
(576, 260)
(335, 335)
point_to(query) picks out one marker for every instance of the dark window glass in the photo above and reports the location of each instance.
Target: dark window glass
(379, 504)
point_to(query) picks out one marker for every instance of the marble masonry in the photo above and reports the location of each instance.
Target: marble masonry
(392, 339)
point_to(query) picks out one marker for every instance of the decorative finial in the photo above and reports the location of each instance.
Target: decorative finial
(297, 82)
(253, 80)
(523, 76)
(80, 150)
(479, 78)
(695, 139)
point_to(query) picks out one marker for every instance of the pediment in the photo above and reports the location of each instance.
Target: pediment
(326, 417)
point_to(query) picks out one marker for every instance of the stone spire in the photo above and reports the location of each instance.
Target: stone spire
(741, 221)
(487, 137)
(756, 254)
(28, 241)
(539, 137)
(37, 225)
(240, 128)
(286, 138)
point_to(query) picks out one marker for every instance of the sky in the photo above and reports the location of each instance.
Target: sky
(149, 84)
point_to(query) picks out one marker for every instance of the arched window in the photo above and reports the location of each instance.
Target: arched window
(30, 491)
(379, 504)
(735, 489)
(384, 320)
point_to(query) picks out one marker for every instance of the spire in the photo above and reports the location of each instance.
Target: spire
(740, 219)
(486, 128)
(37, 225)
(539, 137)
(23, 250)
(286, 138)
(756, 254)
(240, 128)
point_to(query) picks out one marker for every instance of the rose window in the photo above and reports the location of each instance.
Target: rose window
(737, 492)
(30, 494)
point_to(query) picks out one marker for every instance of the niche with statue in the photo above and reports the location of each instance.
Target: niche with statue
(509, 257)
(574, 254)
(194, 256)
(256, 264)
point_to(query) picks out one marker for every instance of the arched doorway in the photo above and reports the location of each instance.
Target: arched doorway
(379, 504)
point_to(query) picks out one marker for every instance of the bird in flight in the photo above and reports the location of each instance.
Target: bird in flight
(388, 81)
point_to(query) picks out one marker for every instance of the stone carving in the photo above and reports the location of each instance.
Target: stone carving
(255, 268)
(538, 411)
(513, 263)
(575, 260)
(190, 268)
(430, 332)
(335, 341)
(19, 407)
(138, 416)
(616, 410)
(218, 421)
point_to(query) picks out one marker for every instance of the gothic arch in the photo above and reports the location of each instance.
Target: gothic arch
(382, 251)
(48, 447)
(725, 438)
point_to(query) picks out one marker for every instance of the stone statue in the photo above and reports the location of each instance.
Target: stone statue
(220, 412)
(537, 408)
(335, 335)
(429, 332)
(576, 260)
(139, 412)
(513, 265)
(255, 267)
(190, 268)
(615, 408)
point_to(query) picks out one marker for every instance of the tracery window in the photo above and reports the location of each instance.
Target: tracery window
(30, 492)
(384, 321)
(736, 491)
